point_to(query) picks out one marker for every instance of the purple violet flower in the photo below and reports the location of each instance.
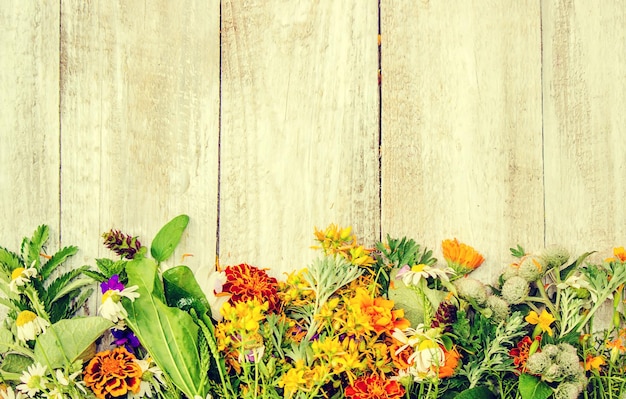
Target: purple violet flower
(112, 284)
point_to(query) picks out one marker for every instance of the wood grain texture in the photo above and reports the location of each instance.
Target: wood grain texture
(140, 117)
(585, 124)
(461, 125)
(299, 138)
(29, 120)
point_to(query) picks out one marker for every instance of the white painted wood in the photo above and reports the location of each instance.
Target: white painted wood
(139, 127)
(299, 138)
(29, 120)
(585, 124)
(461, 125)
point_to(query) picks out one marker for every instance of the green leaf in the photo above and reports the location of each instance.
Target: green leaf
(67, 339)
(56, 260)
(183, 291)
(9, 261)
(15, 363)
(33, 247)
(565, 273)
(531, 387)
(168, 238)
(476, 393)
(169, 334)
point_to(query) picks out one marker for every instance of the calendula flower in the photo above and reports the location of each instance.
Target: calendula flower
(122, 244)
(542, 321)
(620, 253)
(378, 312)
(113, 373)
(461, 257)
(29, 325)
(411, 275)
(112, 293)
(20, 277)
(33, 380)
(245, 282)
(374, 387)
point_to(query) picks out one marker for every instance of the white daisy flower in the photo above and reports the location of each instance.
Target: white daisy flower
(413, 275)
(20, 277)
(34, 380)
(152, 377)
(29, 325)
(11, 394)
(112, 308)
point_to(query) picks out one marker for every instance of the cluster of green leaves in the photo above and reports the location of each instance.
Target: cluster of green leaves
(395, 253)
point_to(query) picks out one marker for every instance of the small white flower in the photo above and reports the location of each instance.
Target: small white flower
(112, 307)
(413, 275)
(152, 377)
(579, 282)
(11, 394)
(34, 380)
(212, 288)
(20, 277)
(426, 359)
(29, 325)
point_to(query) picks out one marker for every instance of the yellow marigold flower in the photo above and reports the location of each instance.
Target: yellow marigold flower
(620, 253)
(542, 321)
(113, 373)
(380, 312)
(461, 257)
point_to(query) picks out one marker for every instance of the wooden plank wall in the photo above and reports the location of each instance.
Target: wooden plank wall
(497, 122)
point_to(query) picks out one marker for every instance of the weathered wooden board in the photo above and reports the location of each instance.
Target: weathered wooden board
(139, 122)
(585, 124)
(299, 137)
(29, 120)
(461, 125)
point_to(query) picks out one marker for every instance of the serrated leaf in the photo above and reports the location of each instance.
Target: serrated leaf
(168, 238)
(169, 334)
(531, 387)
(64, 341)
(56, 260)
(9, 260)
(33, 247)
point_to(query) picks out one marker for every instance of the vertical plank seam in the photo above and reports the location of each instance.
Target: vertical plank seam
(543, 140)
(380, 126)
(219, 142)
(59, 99)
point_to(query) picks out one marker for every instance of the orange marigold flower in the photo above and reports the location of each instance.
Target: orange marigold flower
(620, 253)
(245, 282)
(113, 373)
(461, 257)
(450, 364)
(593, 362)
(521, 352)
(380, 312)
(374, 387)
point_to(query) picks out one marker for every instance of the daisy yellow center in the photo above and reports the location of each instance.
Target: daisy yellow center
(427, 344)
(34, 381)
(26, 316)
(17, 273)
(418, 268)
(110, 294)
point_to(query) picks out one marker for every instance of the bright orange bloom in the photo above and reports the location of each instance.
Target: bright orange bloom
(381, 315)
(450, 364)
(521, 352)
(245, 282)
(594, 362)
(374, 387)
(113, 373)
(461, 257)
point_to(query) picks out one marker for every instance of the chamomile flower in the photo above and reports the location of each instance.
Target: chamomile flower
(34, 380)
(411, 275)
(112, 293)
(29, 325)
(9, 393)
(20, 277)
(151, 379)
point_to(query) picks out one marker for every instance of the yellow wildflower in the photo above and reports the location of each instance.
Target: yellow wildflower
(542, 321)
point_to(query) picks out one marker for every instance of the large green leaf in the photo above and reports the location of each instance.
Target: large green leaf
(67, 339)
(169, 334)
(183, 291)
(479, 392)
(168, 238)
(531, 387)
